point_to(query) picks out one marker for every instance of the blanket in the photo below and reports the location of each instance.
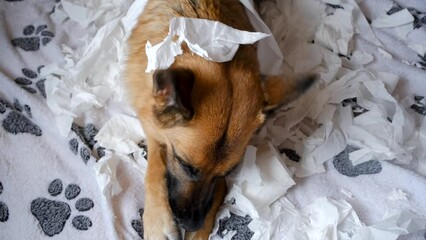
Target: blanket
(346, 161)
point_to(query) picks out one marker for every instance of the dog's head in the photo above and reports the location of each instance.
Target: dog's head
(207, 112)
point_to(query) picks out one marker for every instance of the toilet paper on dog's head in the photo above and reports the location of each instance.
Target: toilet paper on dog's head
(209, 39)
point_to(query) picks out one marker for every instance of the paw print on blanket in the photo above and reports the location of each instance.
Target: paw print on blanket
(53, 214)
(87, 136)
(4, 210)
(356, 108)
(291, 154)
(17, 118)
(142, 144)
(238, 224)
(422, 62)
(420, 105)
(331, 8)
(343, 164)
(30, 79)
(33, 37)
(138, 225)
(419, 16)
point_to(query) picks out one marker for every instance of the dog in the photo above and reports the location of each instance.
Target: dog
(198, 116)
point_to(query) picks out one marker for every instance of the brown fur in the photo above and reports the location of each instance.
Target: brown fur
(227, 100)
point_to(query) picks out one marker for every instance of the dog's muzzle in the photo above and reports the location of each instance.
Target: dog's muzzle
(189, 209)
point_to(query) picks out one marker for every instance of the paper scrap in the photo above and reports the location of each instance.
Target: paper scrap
(209, 39)
(332, 219)
(357, 60)
(418, 48)
(336, 31)
(121, 134)
(384, 53)
(319, 124)
(268, 51)
(262, 175)
(391, 227)
(324, 218)
(106, 169)
(397, 19)
(77, 86)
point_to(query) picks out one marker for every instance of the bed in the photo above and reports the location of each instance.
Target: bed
(346, 161)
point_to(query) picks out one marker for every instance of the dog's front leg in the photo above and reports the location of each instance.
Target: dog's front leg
(157, 217)
(204, 232)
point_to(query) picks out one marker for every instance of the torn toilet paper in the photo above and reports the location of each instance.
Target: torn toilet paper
(336, 220)
(90, 75)
(397, 19)
(120, 135)
(352, 105)
(211, 40)
(262, 176)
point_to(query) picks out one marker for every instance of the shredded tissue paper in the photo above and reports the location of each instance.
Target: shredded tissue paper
(351, 105)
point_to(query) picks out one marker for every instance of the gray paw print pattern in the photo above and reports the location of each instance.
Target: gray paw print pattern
(238, 224)
(31, 82)
(86, 135)
(33, 38)
(419, 105)
(291, 154)
(418, 22)
(331, 8)
(142, 144)
(4, 210)
(17, 118)
(52, 214)
(343, 164)
(137, 224)
(422, 61)
(419, 16)
(356, 108)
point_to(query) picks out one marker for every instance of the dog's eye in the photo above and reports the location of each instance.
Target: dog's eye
(192, 172)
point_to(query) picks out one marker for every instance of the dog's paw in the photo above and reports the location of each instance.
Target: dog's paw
(158, 224)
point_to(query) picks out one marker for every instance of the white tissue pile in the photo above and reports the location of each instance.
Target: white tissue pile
(318, 126)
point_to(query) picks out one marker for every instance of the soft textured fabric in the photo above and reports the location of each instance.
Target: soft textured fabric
(48, 183)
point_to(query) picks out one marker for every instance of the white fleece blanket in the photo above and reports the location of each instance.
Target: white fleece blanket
(347, 161)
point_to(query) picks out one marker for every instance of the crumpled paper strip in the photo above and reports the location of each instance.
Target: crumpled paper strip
(319, 126)
(333, 219)
(262, 176)
(258, 182)
(91, 74)
(324, 218)
(209, 39)
(120, 135)
(333, 126)
(335, 31)
(397, 19)
(268, 51)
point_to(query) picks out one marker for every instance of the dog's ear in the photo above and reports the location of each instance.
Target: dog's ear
(172, 91)
(280, 91)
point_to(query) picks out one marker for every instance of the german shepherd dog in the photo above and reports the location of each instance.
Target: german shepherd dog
(198, 116)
